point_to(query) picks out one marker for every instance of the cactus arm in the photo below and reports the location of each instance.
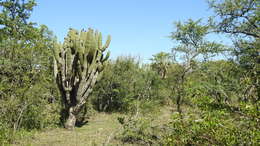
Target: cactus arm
(106, 44)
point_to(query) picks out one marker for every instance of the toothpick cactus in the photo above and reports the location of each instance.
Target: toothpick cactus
(77, 65)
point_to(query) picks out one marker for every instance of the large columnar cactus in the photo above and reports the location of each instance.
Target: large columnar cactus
(77, 64)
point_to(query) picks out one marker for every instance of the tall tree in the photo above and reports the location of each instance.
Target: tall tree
(193, 45)
(77, 65)
(25, 67)
(240, 19)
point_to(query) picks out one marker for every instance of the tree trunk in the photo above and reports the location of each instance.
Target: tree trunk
(178, 102)
(71, 120)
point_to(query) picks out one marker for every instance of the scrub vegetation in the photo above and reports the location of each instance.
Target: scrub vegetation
(200, 92)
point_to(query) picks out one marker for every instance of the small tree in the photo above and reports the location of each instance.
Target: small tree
(193, 45)
(160, 62)
(77, 65)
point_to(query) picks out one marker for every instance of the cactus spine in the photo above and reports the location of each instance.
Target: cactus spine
(77, 64)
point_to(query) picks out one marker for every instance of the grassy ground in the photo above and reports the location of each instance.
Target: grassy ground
(100, 130)
(96, 132)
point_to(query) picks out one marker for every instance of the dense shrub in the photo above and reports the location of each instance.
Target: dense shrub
(213, 126)
(123, 83)
(137, 130)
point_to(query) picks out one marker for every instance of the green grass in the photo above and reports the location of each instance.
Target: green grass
(102, 129)
(96, 132)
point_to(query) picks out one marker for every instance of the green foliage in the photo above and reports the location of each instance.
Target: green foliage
(237, 17)
(117, 87)
(14, 17)
(213, 127)
(217, 91)
(240, 19)
(219, 98)
(25, 72)
(5, 133)
(160, 63)
(139, 131)
(210, 80)
(193, 45)
(124, 84)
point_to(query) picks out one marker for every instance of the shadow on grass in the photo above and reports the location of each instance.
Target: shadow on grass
(81, 123)
(213, 106)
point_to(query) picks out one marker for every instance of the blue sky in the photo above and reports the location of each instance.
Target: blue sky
(138, 27)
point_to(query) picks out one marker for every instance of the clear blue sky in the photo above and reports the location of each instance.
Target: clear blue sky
(138, 27)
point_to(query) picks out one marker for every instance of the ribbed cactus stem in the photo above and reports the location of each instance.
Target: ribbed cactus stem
(107, 43)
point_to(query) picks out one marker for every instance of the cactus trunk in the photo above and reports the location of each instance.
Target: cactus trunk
(71, 120)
